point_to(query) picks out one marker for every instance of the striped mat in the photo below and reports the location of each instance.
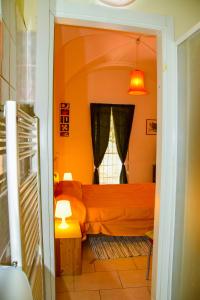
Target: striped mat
(112, 247)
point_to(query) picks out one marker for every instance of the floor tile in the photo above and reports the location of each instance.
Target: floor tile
(115, 264)
(133, 278)
(141, 262)
(83, 295)
(87, 266)
(64, 284)
(126, 294)
(97, 281)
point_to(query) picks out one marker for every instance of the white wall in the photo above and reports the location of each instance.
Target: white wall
(7, 91)
(187, 235)
(186, 13)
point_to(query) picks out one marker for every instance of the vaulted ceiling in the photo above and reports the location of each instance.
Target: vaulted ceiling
(85, 50)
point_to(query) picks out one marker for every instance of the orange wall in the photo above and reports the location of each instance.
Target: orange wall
(106, 85)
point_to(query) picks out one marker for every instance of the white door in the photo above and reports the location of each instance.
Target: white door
(186, 269)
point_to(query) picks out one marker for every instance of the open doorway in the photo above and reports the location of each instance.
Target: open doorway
(162, 27)
(93, 66)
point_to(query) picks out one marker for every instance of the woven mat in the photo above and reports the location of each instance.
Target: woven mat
(112, 247)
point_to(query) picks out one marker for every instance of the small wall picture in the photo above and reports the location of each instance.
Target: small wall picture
(64, 119)
(151, 126)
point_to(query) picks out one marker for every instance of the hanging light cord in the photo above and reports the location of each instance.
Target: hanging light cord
(137, 55)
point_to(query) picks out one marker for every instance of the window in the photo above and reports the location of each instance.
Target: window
(110, 168)
(103, 119)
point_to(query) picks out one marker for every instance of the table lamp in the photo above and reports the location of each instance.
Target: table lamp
(67, 176)
(63, 210)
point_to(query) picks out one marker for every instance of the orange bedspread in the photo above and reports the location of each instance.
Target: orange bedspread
(121, 209)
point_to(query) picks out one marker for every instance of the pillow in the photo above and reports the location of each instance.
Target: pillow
(72, 188)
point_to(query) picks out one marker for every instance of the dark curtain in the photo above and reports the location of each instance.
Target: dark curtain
(123, 118)
(100, 127)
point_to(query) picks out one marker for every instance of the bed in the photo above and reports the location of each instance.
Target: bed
(114, 209)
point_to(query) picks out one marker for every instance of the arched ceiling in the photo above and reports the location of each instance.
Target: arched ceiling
(80, 50)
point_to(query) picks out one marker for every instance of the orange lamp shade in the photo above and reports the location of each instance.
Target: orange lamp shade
(137, 83)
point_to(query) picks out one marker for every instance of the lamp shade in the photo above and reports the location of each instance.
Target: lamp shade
(137, 83)
(67, 176)
(63, 209)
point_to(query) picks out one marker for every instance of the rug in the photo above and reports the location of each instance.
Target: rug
(112, 247)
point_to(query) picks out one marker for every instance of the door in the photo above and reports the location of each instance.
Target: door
(186, 270)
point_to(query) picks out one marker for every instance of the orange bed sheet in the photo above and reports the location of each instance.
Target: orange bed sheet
(119, 210)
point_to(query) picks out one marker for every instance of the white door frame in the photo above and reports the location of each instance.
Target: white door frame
(167, 119)
(44, 110)
(188, 34)
(162, 27)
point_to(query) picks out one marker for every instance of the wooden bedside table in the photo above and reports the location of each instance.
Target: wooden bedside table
(68, 249)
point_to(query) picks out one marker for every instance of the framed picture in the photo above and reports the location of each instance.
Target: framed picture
(151, 126)
(64, 119)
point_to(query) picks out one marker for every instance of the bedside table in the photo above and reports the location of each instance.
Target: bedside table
(68, 249)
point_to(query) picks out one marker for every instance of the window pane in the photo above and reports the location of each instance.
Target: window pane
(110, 168)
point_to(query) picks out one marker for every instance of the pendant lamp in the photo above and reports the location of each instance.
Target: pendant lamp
(137, 78)
(137, 83)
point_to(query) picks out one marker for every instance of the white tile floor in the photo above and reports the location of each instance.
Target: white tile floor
(122, 279)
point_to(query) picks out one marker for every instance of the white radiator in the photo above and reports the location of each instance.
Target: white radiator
(24, 195)
(4, 232)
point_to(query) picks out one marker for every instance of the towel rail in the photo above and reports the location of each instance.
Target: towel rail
(36, 279)
(27, 210)
(26, 154)
(2, 179)
(26, 144)
(22, 135)
(2, 137)
(31, 246)
(31, 190)
(27, 182)
(30, 223)
(23, 195)
(30, 251)
(2, 124)
(23, 122)
(13, 183)
(25, 116)
(3, 184)
(4, 232)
